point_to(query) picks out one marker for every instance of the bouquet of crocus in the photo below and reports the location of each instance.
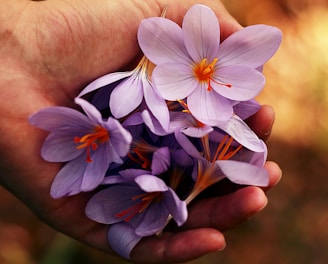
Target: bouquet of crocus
(148, 141)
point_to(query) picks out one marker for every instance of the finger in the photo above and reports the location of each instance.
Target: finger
(178, 247)
(262, 121)
(225, 212)
(275, 174)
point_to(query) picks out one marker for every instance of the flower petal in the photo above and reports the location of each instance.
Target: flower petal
(69, 179)
(59, 117)
(251, 46)
(245, 109)
(156, 105)
(197, 132)
(244, 173)
(104, 206)
(120, 138)
(153, 124)
(161, 41)
(105, 80)
(208, 106)
(242, 133)
(246, 82)
(90, 110)
(150, 183)
(122, 239)
(186, 144)
(60, 147)
(174, 81)
(154, 219)
(96, 169)
(161, 160)
(133, 120)
(131, 174)
(201, 33)
(127, 96)
(259, 158)
(177, 208)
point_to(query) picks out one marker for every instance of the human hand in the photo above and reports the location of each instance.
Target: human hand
(50, 50)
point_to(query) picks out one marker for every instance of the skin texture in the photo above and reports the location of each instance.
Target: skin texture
(49, 51)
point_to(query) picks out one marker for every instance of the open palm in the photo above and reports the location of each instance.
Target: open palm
(49, 51)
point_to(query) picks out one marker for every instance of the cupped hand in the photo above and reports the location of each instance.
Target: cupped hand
(49, 51)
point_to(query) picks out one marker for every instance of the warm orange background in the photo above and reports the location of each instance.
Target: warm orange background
(293, 229)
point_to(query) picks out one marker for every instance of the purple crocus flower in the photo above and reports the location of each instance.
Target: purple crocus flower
(87, 143)
(220, 156)
(140, 199)
(191, 63)
(132, 88)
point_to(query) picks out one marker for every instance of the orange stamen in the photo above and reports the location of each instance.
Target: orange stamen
(140, 159)
(204, 73)
(146, 200)
(222, 151)
(141, 152)
(91, 141)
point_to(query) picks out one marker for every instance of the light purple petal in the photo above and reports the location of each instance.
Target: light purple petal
(174, 81)
(127, 96)
(131, 174)
(156, 105)
(180, 120)
(150, 183)
(90, 110)
(60, 147)
(244, 173)
(59, 117)
(161, 41)
(104, 206)
(122, 239)
(120, 138)
(153, 124)
(113, 155)
(186, 123)
(197, 132)
(245, 109)
(69, 179)
(246, 82)
(105, 80)
(208, 106)
(154, 219)
(161, 160)
(241, 132)
(133, 120)
(259, 158)
(201, 33)
(177, 208)
(187, 145)
(96, 169)
(251, 46)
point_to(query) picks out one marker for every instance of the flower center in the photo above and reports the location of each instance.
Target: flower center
(207, 174)
(224, 150)
(204, 72)
(90, 141)
(141, 153)
(144, 200)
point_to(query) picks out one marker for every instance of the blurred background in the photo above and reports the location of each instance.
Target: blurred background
(294, 226)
